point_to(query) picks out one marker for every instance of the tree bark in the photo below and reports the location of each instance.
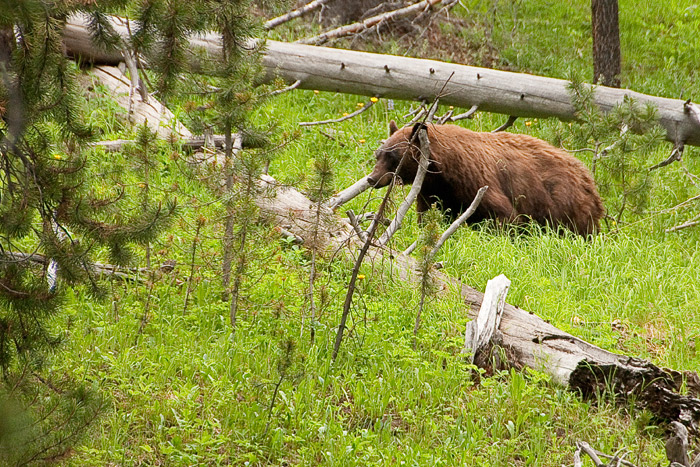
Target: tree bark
(606, 42)
(389, 76)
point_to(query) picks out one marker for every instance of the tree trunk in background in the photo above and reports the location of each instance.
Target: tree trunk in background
(606, 43)
(337, 12)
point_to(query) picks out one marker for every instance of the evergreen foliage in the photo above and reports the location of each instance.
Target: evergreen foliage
(621, 141)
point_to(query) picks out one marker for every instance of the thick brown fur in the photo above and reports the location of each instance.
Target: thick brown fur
(528, 179)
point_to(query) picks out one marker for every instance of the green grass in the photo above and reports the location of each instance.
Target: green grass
(185, 393)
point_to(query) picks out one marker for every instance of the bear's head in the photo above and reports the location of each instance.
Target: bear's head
(401, 144)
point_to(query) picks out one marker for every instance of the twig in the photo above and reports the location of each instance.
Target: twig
(415, 187)
(676, 155)
(374, 21)
(506, 125)
(460, 220)
(348, 194)
(274, 22)
(292, 86)
(691, 223)
(586, 448)
(414, 111)
(343, 118)
(468, 114)
(356, 269)
(356, 225)
(188, 292)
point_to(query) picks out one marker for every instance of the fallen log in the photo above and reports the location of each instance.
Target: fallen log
(152, 113)
(389, 76)
(528, 340)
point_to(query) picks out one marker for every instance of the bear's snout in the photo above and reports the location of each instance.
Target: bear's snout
(379, 180)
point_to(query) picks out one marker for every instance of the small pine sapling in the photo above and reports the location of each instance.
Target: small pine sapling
(430, 234)
(321, 188)
(621, 141)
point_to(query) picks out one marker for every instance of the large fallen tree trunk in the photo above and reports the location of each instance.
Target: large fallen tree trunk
(369, 74)
(528, 340)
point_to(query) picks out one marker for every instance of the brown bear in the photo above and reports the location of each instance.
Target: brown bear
(528, 179)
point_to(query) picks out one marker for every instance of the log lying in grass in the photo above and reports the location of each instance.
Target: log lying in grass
(370, 74)
(528, 340)
(152, 113)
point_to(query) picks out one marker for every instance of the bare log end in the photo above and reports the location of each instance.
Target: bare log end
(652, 388)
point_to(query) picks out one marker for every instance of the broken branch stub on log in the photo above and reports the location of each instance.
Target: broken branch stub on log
(395, 77)
(479, 333)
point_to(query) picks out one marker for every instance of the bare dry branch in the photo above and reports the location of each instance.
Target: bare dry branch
(349, 193)
(506, 125)
(676, 155)
(415, 187)
(311, 6)
(364, 107)
(460, 220)
(374, 21)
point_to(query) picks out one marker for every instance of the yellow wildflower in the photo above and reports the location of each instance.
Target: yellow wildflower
(374, 99)
(315, 91)
(57, 157)
(361, 141)
(360, 276)
(528, 123)
(360, 104)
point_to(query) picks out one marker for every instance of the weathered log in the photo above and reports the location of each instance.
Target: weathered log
(389, 76)
(527, 339)
(152, 113)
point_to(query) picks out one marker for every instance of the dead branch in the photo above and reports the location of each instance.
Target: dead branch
(586, 448)
(374, 21)
(291, 87)
(506, 125)
(194, 143)
(100, 269)
(468, 114)
(348, 194)
(416, 186)
(363, 108)
(676, 155)
(274, 22)
(460, 220)
(362, 235)
(685, 225)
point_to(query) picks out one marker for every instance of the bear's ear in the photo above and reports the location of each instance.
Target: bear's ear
(393, 128)
(417, 127)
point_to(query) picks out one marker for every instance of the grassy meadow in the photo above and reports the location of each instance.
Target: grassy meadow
(184, 391)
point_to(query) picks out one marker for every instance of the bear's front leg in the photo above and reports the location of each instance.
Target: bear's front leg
(500, 208)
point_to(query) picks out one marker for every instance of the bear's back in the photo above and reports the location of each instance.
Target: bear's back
(526, 176)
